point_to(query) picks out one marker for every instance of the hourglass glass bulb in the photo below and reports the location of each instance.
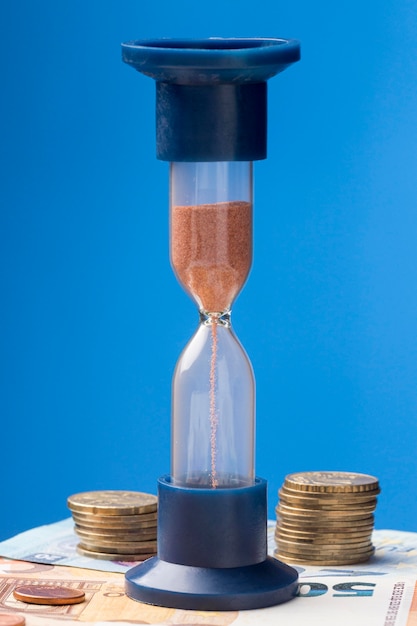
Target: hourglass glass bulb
(213, 385)
(213, 410)
(211, 230)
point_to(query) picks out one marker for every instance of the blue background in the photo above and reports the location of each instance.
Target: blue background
(92, 319)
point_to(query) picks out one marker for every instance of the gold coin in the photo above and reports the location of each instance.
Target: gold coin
(322, 554)
(295, 542)
(291, 558)
(282, 509)
(138, 547)
(324, 538)
(322, 548)
(343, 509)
(340, 503)
(324, 523)
(326, 530)
(331, 482)
(329, 505)
(115, 532)
(323, 531)
(116, 521)
(325, 553)
(113, 502)
(325, 527)
(48, 594)
(321, 539)
(323, 497)
(145, 534)
(317, 549)
(319, 512)
(326, 558)
(291, 511)
(147, 526)
(107, 556)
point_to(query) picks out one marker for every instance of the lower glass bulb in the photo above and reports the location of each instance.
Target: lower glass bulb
(213, 409)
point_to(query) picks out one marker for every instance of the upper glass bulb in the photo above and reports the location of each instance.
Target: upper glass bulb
(211, 230)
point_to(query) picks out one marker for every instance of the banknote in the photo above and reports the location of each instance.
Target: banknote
(56, 544)
(382, 592)
(341, 598)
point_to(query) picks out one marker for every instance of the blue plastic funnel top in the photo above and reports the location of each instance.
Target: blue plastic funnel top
(211, 100)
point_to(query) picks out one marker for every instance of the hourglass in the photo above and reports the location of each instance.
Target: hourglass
(212, 512)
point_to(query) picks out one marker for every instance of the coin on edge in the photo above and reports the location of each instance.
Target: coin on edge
(314, 549)
(48, 594)
(115, 521)
(323, 521)
(323, 496)
(327, 505)
(12, 619)
(107, 556)
(142, 535)
(116, 547)
(310, 531)
(324, 540)
(303, 561)
(292, 511)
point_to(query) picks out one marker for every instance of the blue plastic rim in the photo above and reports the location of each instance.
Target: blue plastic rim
(213, 60)
(178, 586)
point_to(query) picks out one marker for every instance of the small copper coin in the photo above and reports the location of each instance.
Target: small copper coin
(12, 619)
(48, 594)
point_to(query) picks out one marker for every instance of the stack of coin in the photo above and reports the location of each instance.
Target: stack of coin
(326, 518)
(115, 525)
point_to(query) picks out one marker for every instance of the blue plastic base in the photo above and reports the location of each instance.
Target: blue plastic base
(212, 589)
(212, 552)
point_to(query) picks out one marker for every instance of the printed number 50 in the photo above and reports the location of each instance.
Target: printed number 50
(344, 590)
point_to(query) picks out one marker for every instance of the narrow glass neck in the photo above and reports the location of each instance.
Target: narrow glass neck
(220, 319)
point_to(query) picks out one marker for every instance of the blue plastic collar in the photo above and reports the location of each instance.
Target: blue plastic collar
(211, 94)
